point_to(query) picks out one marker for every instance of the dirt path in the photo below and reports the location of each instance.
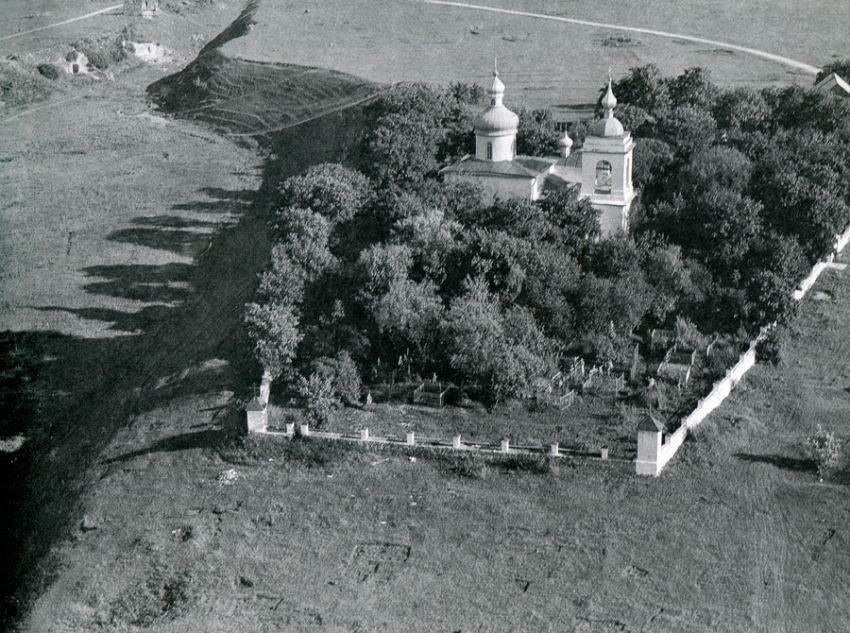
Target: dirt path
(50, 26)
(813, 70)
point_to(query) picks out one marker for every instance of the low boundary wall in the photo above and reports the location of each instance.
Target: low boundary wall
(660, 449)
(456, 443)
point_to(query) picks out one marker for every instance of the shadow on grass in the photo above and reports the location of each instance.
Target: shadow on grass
(785, 463)
(209, 438)
(105, 381)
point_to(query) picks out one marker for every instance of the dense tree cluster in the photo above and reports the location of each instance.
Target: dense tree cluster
(753, 186)
(388, 268)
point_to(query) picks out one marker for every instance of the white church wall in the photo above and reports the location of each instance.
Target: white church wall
(503, 147)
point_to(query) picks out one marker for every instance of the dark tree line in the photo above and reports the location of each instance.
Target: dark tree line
(741, 191)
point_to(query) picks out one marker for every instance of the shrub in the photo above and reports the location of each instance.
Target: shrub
(319, 398)
(770, 348)
(468, 465)
(48, 70)
(824, 449)
(343, 374)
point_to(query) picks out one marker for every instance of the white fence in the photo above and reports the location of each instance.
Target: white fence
(504, 447)
(654, 451)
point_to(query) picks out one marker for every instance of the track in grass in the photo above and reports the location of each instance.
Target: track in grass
(631, 29)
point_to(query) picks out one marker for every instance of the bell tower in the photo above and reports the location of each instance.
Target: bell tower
(606, 171)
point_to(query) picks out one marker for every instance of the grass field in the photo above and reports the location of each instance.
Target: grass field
(130, 243)
(736, 535)
(543, 63)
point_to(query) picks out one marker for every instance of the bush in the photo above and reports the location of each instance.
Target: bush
(824, 449)
(468, 465)
(343, 374)
(770, 348)
(319, 398)
(49, 70)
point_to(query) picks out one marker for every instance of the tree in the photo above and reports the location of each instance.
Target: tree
(305, 238)
(715, 167)
(401, 151)
(577, 220)
(318, 398)
(642, 87)
(536, 134)
(284, 280)
(432, 237)
(344, 375)
(408, 314)
(273, 328)
(840, 67)
(503, 353)
(381, 265)
(742, 110)
(725, 226)
(693, 88)
(330, 189)
(654, 161)
(687, 129)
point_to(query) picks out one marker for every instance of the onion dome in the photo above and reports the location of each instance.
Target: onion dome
(608, 125)
(496, 120)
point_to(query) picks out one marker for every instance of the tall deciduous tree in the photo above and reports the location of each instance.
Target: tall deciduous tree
(273, 328)
(336, 192)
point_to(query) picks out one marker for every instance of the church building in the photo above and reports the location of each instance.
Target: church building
(601, 170)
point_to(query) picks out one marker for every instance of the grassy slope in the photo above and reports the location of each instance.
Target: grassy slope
(543, 63)
(736, 535)
(757, 529)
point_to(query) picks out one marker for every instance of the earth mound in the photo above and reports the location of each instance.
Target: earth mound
(241, 97)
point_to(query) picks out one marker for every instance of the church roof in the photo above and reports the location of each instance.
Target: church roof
(254, 405)
(833, 83)
(496, 120)
(608, 125)
(519, 167)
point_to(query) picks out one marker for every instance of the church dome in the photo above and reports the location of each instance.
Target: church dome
(496, 120)
(608, 125)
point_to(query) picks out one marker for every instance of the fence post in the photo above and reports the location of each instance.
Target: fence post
(603, 452)
(456, 441)
(505, 446)
(649, 439)
(411, 438)
(364, 435)
(553, 450)
(290, 429)
(305, 430)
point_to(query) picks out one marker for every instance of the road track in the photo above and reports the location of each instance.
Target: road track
(807, 68)
(50, 26)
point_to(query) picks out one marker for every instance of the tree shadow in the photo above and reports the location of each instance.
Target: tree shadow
(165, 283)
(175, 222)
(780, 461)
(209, 438)
(182, 242)
(106, 381)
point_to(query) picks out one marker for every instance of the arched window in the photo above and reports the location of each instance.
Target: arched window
(489, 151)
(603, 177)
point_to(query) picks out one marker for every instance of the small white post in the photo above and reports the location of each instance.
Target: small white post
(505, 446)
(411, 438)
(305, 430)
(456, 441)
(553, 450)
(364, 435)
(290, 429)
(603, 452)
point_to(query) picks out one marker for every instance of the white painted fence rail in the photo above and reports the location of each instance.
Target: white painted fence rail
(654, 450)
